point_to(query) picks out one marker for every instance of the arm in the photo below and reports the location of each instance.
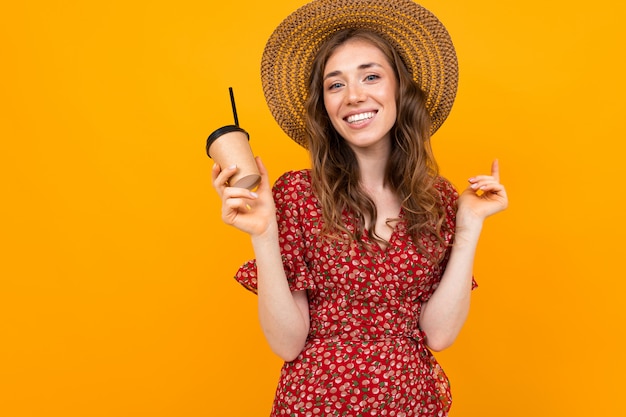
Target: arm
(444, 314)
(283, 314)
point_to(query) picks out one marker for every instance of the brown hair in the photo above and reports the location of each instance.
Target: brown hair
(411, 169)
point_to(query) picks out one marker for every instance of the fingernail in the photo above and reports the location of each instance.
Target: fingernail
(232, 167)
(471, 179)
(474, 186)
(253, 194)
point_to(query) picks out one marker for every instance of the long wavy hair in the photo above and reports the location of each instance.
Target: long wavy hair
(411, 169)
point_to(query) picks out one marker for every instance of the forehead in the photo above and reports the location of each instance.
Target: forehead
(354, 53)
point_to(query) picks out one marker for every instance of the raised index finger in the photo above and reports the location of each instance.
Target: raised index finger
(495, 170)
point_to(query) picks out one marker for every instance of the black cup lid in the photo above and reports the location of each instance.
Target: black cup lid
(222, 131)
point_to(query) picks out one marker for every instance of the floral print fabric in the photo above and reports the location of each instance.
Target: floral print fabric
(365, 354)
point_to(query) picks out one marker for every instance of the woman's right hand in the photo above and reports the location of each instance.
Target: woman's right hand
(250, 212)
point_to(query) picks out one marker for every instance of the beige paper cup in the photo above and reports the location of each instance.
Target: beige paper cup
(228, 146)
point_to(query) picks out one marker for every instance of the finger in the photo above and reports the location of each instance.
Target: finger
(495, 169)
(493, 187)
(265, 182)
(498, 192)
(479, 178)
(480, 181)
(237, 204)
(221, 180)
(239, 193)
(494, 190)
(215, 171)
(261, 166)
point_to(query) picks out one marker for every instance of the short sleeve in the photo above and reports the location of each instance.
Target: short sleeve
(293, 199)
(246, 276)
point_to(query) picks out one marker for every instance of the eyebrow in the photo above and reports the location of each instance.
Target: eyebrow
(360, 67)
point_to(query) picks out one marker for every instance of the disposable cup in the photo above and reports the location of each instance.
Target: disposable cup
(228, 146)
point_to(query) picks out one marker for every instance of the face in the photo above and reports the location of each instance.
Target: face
(360, 94)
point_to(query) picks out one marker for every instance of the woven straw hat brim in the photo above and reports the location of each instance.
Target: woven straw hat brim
(419, 37)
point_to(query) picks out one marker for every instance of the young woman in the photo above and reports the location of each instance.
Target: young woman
(364, 262)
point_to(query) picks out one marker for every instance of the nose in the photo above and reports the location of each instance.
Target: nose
(356, 93)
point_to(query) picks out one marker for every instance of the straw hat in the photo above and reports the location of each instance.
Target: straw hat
(419, 37)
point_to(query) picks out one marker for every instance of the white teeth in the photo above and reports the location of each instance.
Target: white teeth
(359, 117)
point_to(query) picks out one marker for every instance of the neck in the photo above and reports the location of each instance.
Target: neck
(372, 166)
(373, 173)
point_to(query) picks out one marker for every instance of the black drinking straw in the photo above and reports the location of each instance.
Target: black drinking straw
(232, 102)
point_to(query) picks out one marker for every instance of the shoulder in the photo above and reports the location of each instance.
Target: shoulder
(447, 192)
(444, 186)
(293, 186)
(301, 178)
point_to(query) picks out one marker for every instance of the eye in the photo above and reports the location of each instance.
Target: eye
(334, 86)
(372, 77)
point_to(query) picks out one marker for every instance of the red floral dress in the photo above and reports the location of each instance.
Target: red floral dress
(365, 354)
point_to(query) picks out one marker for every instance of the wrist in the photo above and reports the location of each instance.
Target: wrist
(468, 229)
(269, 235)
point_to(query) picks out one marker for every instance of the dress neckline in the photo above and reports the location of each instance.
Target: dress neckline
(394, 230)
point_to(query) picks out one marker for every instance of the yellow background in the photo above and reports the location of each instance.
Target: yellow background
(116, 296)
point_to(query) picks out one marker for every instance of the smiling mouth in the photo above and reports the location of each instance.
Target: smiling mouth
(360, 117)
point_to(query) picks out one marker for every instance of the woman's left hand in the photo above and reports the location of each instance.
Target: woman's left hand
(484, 196)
